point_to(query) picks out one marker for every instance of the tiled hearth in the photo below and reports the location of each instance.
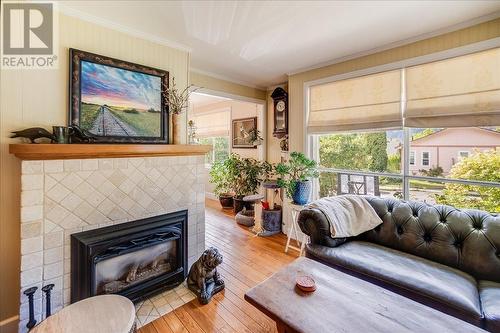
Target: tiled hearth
(161, 304)
(59, 198)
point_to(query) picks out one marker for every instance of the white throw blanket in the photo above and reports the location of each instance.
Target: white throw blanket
(349, 215)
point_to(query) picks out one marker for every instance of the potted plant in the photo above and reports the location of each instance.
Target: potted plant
(245, 177)
(219, 176)
(295, 177)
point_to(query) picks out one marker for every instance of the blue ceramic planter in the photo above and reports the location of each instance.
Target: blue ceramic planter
(302, 192)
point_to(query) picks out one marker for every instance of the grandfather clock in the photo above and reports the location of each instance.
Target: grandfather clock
(280, 97)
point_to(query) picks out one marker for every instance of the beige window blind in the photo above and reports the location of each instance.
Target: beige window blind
(371, 101)
(456, 92)
(213, 123)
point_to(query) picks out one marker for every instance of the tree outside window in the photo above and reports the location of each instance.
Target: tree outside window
(220, 149)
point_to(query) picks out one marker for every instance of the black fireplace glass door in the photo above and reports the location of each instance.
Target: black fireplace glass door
(123, 271)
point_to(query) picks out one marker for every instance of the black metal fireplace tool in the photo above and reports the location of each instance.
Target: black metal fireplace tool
(30, 293)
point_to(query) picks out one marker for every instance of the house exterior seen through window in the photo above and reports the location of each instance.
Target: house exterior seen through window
(425, 158)
(412, 158)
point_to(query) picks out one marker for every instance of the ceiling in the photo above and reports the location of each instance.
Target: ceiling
(259, 43)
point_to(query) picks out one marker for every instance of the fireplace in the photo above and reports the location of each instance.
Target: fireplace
(134, 259)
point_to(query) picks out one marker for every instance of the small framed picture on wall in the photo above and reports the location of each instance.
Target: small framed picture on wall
(243, 132)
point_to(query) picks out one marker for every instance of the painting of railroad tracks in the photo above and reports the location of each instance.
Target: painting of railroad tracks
(118, 102)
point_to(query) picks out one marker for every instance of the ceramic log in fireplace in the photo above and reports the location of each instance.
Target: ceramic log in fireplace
(134, 259)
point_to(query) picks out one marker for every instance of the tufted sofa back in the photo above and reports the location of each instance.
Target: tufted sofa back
(468, 240)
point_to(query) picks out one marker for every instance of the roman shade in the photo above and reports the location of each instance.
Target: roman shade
(456, 92)
(213, 123)
(371, 101)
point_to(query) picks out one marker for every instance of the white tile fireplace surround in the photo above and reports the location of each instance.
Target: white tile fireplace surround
(62, 197)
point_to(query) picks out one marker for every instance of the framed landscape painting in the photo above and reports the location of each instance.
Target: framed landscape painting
(242, 132)
(117, 101)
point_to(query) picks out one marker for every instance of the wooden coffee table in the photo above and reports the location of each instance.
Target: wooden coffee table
(343, 303)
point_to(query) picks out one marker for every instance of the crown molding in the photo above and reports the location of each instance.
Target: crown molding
(64, 9)
(280, 85)
(403, 42)
(226, 78)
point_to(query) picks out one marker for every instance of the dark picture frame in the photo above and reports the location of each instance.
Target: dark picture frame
(118, 121)
(240, 131)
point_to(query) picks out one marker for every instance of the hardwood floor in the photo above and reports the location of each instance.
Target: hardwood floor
(248, 260)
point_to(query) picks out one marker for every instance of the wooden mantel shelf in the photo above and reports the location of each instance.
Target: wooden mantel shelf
(84, 151)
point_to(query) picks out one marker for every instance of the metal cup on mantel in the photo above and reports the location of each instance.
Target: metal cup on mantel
(61, 134)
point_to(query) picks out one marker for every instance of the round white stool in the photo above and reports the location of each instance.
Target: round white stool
(99, 314)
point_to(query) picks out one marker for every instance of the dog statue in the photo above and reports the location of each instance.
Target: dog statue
(203, 279)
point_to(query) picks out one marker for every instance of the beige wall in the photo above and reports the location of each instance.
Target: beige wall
(211, 83)
(477, 33)
(40, 98)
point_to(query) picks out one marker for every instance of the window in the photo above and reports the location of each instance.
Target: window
(462, 154)
(459, 151)
(412, 157)
(462, 172)
(361, 163)
(371, 163)
(425, 158)
(220, 149)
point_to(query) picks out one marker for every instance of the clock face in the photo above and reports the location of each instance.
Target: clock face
(280, 106)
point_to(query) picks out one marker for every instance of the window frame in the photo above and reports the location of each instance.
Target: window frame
(459, 154)
(414, 158)
(212, 151)
(311, 141)
(405, 174)
(428, 158)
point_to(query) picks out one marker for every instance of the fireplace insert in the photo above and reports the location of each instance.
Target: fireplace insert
(134, 259)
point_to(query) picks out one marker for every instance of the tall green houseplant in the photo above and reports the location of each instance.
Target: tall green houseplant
(295, 175)
(245, 176)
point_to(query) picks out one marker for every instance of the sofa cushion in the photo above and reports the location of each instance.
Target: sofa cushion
(489, 292)
(442, 287)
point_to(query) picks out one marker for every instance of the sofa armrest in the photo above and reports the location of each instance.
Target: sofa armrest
(313, 223)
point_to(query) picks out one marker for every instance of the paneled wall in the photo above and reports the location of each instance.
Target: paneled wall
(40, 98)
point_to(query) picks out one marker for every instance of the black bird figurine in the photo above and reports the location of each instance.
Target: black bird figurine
(33, 133)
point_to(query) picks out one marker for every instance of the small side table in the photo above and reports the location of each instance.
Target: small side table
(103, 314)
(294, 230)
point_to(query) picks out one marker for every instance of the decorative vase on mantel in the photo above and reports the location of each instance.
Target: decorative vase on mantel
(176, 128)
(177, 102)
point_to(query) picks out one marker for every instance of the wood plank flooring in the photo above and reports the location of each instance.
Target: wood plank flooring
(248, 260)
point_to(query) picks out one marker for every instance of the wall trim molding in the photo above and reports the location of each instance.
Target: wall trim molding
(211, 196)
(226, 78)
(230, 96)
(403, 42)
(64, 9)
(9, 325)
(274, 86)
